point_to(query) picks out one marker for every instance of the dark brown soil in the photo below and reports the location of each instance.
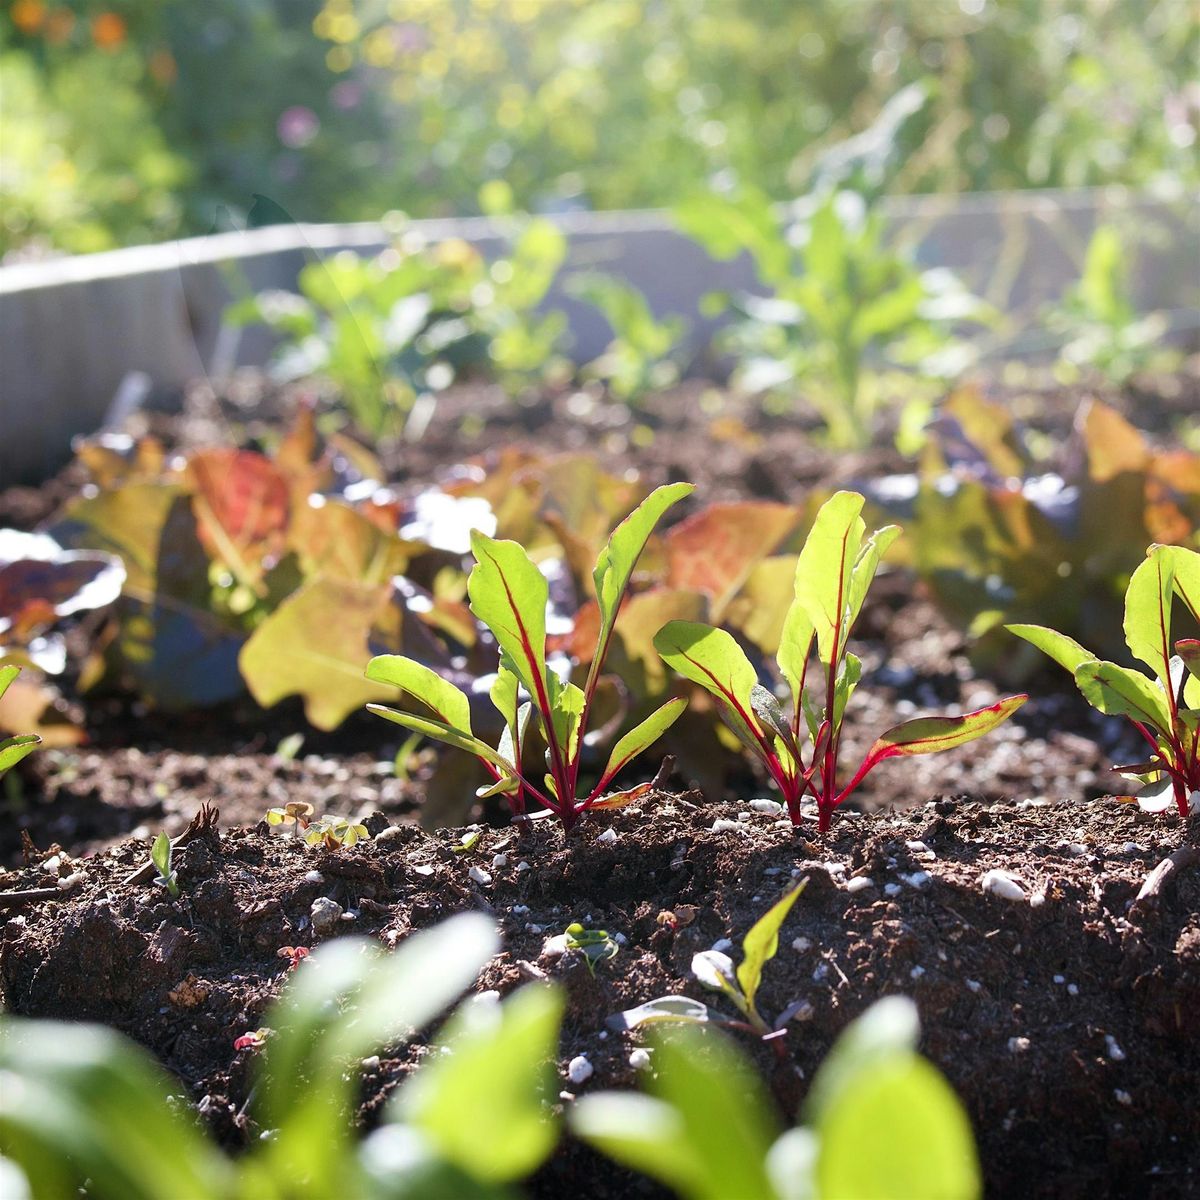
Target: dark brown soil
(1063, 1024)
(1064, 1020)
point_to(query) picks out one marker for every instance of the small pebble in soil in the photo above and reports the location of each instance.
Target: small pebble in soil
(724, 825)
(1122, 1097)
(1018, 1045)
(916, 972)
(801, 944)
(918, 880)
(393, 833)
(479, 875)
(520, 910)
(1001, 884)
(523, 866)
(973, 985)
(892, 890)
(1060, 979)
(722, 944)
(1072, 989)
(639, 1059)
(772, 808)
(313, 877)
(798, 1010)
(70, 881)
(326, 915)
(500, 860)
(579, 1070)
(608, 836)
(860, 883)
(1113, 1047)
(371, 1064)
(424, 869)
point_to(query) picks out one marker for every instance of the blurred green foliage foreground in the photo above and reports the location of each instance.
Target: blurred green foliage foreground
(135, 120)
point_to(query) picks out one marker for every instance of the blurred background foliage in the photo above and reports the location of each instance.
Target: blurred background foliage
(135, 120)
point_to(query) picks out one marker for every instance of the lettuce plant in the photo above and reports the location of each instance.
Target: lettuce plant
(833, 575)
(13, 749)
(509, 595)
(1164, 707)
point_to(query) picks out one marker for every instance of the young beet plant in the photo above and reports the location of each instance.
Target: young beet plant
(509, 594)
(833, 575)
(1165, 709)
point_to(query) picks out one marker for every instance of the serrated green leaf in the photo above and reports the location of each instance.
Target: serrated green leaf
(1065, 651)
(431, 727)
(1119, 691)
(713, 659)
(1147, 622)
(762, 941)
(484, 1103)
(447, 702)
(508, 594)
(824, 568)
(641, 737)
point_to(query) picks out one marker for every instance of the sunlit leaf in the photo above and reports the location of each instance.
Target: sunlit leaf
(760, 944)
(315, 645)
(641, 738)
(824, 568)
(447, 702)
(1119, 691)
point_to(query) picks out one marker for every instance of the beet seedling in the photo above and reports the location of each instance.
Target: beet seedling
(833, 575)
(714, 969)
(13, 749)
(296, 811)
(1165, 707)
(332, 833)
(509, 595)
(160, 856)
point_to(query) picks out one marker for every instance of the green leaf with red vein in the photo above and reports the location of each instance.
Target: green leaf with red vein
(439, 730)
(824, 569)
(508, 594)
(447, 702)
(713, 659)
(1120, 692)
(930, 735)
(1148, 602)
(641, 737)
(1065, 651)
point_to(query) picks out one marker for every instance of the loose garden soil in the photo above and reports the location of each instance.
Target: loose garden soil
(1062, 1019)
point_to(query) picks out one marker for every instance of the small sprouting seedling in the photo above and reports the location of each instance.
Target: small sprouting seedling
(715, 970)
(594, 944)
(833, 575)
(294, 954)
(256, 1039)
(296, 811)
(160, 856)
(13, 749)
(332, 833)
(509, 595)
(1164, 708)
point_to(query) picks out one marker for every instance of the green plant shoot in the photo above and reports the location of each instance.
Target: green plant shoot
(879, 1121)
(160, 856)
(1164, 707)
(715, 970)
(13, 749)
(509, 595)
(833, 575)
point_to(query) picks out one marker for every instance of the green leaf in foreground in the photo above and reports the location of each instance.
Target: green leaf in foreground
(705, 1133)
(482, 1103)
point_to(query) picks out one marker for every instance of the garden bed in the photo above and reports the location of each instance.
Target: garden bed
(1061, 1018)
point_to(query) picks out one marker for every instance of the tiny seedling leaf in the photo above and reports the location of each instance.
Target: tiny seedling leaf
(762, 941)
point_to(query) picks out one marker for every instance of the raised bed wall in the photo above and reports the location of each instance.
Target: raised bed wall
(72, 330)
